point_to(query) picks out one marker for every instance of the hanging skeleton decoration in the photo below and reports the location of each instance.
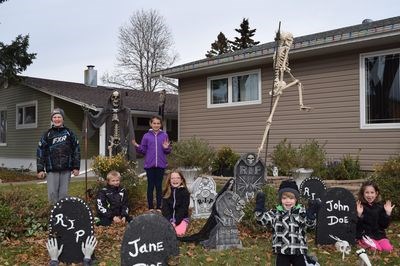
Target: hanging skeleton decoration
(281, 66)
(118, 124)
(363, 257)
(115, 139)
(341, 246)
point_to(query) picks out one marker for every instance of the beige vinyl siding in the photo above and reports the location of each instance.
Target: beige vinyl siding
(22, 143)
(331, 88)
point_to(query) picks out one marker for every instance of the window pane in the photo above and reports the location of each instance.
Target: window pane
(20, 115)
(219, 91)
(382, 89)
(245, 88)
(30, 114)
(3, 126)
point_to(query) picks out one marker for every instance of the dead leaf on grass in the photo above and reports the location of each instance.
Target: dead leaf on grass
(209, 259)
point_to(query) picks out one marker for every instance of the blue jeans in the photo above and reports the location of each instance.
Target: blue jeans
(155, 177)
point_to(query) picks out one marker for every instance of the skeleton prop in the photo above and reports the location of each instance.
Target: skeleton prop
(281, 66)
(364, 260)
(342, 246)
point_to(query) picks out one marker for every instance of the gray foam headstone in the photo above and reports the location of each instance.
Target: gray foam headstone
(71, 222)
(337, 217)
(149, 239)
(203, 196)
(249, 176)
(312, 188)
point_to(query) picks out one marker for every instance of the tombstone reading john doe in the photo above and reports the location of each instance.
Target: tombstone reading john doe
(337, 217)
(249, 176)
(71, 222)
(149, 239)
(312, 188)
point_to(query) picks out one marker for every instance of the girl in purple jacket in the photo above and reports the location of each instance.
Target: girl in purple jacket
(155, 146)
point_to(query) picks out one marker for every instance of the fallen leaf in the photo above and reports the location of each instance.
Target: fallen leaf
(209, 259)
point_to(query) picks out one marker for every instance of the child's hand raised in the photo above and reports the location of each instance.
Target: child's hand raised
(166, 144)
(360, 208)
(388, 207)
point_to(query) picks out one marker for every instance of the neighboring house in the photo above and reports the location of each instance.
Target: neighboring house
(25, 115)
(350, 77)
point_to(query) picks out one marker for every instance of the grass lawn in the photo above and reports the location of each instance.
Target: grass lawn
(256, 246)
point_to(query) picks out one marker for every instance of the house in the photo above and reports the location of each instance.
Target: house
(25, 115)
(350, 78)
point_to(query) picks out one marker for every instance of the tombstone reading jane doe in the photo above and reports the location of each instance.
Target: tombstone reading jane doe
(71, 222)
(149, 239)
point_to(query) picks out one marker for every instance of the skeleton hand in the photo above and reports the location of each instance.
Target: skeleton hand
(89, 246)
(52, 248)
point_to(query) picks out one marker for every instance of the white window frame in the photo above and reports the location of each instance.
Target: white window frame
(229, 77)
(4, 110)
(363, 122)
(23, 105)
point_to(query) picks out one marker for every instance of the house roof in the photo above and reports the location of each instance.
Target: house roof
(366, 34)
(97, 97)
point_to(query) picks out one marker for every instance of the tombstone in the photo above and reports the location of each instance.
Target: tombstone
(149, 239)
(337, 217)
(225, 235)
(71, 222)
(312, 188)
(203, 196)
(249, 176)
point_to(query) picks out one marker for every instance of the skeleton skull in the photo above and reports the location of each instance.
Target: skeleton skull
(250, 158)
(342, 245)
(115, 99)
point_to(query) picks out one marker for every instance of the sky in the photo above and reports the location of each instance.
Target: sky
(68, 35)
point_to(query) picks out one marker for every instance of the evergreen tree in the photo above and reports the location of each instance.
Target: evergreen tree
(245, 40)
(14, 58)
(220, 46)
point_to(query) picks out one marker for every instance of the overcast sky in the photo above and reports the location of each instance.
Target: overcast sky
(67, 35)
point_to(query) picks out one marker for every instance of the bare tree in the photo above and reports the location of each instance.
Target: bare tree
(145, 47)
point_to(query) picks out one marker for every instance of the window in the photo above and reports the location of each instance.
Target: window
(26, 115)
(380, 89)
(3, 127)
(234, 89)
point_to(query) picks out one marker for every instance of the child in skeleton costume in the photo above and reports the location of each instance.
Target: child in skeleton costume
(175, 203)
(112, 202)
(289, 222)
(58, 154)
(373, 218)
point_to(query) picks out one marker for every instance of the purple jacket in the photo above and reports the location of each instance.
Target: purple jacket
(151, 147)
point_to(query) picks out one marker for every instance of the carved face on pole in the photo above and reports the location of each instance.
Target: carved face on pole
(115, 99)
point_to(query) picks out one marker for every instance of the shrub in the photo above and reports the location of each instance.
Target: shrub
(16, 175)
(102, 165)
(387, 177)
(22, 214)
(347, 168)
(308, 155)
(312, 155)
(225, 161)
(284, 157)
(190, 153)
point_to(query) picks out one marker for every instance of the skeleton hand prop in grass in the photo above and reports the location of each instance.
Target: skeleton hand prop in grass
(342, 246)
(52, 248)
(89, 246)
(363, 257)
